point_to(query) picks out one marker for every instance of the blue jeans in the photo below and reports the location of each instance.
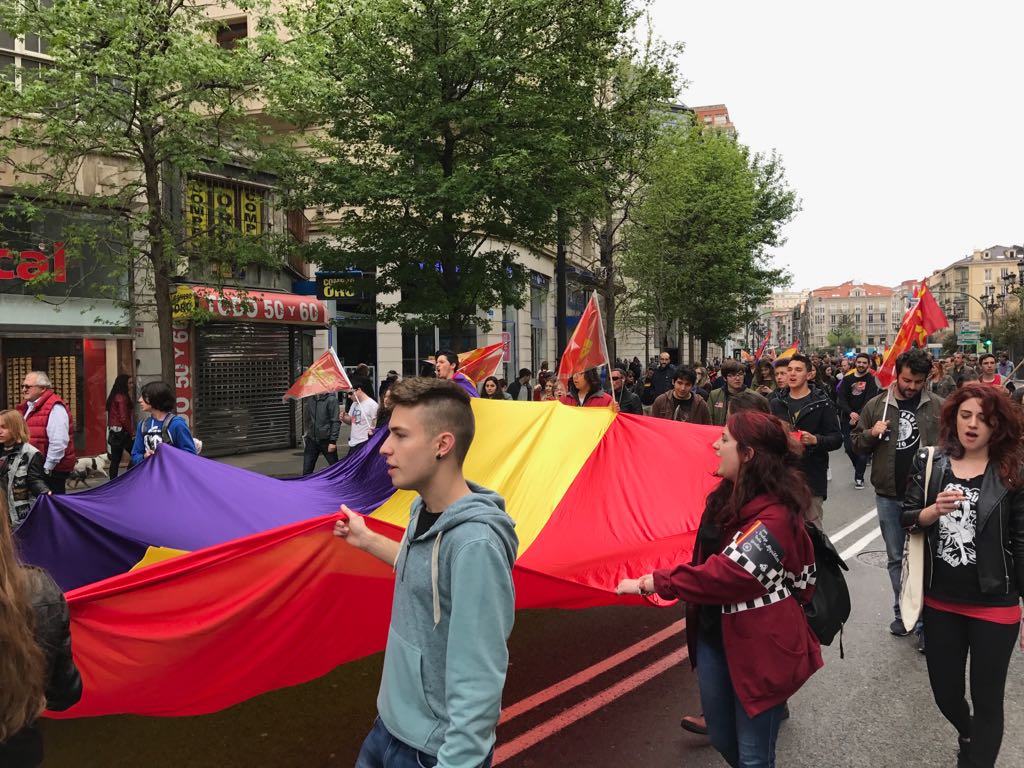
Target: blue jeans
(894, 537)
(743, 741)
(382, 750)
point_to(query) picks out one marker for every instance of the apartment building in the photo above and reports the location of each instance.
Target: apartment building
(874, 311)
(971, 287)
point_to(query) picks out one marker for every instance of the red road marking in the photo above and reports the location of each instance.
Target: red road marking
(547, 729)
(552, 691)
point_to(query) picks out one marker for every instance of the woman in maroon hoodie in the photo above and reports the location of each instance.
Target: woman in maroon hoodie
(753, 567)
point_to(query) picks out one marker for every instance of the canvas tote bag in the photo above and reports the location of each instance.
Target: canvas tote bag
(912, 579)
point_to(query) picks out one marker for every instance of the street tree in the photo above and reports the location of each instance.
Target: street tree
(631, 108)
(133, 98)
(844, 333)
(703, 231)
(448, 137)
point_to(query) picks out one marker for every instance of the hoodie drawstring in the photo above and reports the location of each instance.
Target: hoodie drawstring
(435, 557)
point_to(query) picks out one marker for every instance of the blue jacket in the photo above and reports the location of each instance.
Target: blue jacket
(150, 434)
(447, 653)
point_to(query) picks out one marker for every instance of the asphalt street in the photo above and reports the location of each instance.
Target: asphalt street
(598, 687)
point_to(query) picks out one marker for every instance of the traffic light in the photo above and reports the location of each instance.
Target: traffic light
(988, 344)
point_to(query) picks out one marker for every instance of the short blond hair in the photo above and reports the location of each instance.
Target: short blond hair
(14, 422)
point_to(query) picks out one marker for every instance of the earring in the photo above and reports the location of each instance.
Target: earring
(438, 457)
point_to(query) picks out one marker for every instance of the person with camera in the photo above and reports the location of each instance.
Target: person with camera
(891, 428)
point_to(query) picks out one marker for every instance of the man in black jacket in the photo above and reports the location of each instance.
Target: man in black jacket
(855, 389)
(663, 375)
(810, 412)
(623, 395)
(321, 432)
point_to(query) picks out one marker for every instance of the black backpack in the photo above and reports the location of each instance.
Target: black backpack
(829, 609)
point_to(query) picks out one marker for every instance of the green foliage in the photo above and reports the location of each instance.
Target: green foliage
(703, 229)
(143, 88)
(451, 130)
(844, 334)
(1008, 334)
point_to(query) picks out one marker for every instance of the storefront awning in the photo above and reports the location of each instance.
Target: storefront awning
(250, 306)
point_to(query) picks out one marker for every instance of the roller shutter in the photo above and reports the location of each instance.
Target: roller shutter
(242, 370)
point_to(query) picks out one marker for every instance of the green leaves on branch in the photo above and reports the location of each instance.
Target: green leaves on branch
(451, 130)
(702, 233)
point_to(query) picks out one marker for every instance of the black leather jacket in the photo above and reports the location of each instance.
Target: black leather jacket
(999, 540)
(53, 633)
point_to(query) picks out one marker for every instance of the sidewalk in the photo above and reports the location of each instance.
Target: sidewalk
(281, 463)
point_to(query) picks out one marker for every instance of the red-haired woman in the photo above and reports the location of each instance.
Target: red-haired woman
(753, 565)
(973, 515)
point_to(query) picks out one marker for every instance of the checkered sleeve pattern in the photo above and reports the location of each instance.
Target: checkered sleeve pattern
(775, 582)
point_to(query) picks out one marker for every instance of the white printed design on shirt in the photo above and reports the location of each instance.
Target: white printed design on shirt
(957, 529)
(908, 434)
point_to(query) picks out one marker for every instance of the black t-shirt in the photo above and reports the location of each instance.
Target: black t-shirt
(709, 542)
(425, 521)
(858, 390)
(907, 436)
(955, 561)
(681, 408)
(795, 406)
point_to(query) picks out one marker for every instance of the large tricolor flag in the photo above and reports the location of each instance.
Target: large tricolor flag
(922, 319)
(325, 375)
(189, 597)
(586, 348)
(479, 363)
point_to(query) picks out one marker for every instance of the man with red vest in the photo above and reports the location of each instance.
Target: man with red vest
(49, 428)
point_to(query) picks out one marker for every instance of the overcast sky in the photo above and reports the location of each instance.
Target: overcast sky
(901, 124)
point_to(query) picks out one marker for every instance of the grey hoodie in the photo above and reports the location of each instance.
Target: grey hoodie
(446, 657)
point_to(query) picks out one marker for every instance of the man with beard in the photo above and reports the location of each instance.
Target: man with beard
(855, 389)
(891, 427)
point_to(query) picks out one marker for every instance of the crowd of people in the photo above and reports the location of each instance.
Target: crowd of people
(945, 443)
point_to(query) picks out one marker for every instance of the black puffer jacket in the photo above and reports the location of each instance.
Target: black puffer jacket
(999, 538)
(817, 416)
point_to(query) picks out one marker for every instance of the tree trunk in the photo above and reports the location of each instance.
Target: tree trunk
(164, 318)
(703, 350)
(606, 248)
(155, 234)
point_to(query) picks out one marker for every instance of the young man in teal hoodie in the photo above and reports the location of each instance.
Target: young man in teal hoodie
(447, 653)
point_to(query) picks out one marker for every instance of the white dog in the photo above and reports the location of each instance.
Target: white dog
(90, 466)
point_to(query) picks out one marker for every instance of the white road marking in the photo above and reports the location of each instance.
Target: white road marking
(854, 549)
(842, 533)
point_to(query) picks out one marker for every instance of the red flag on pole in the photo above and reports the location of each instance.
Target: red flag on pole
(760, 350)
(479, 363)
(325, 375)
(921, 320)
(586, 348)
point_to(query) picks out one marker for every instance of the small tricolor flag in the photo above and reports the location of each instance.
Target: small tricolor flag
(789, 352)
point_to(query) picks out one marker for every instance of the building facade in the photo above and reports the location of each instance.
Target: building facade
(872, 311)
(975, 287)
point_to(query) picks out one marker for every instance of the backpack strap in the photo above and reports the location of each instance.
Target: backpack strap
(165, 428)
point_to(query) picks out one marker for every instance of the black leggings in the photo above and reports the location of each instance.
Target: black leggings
(949, 639)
